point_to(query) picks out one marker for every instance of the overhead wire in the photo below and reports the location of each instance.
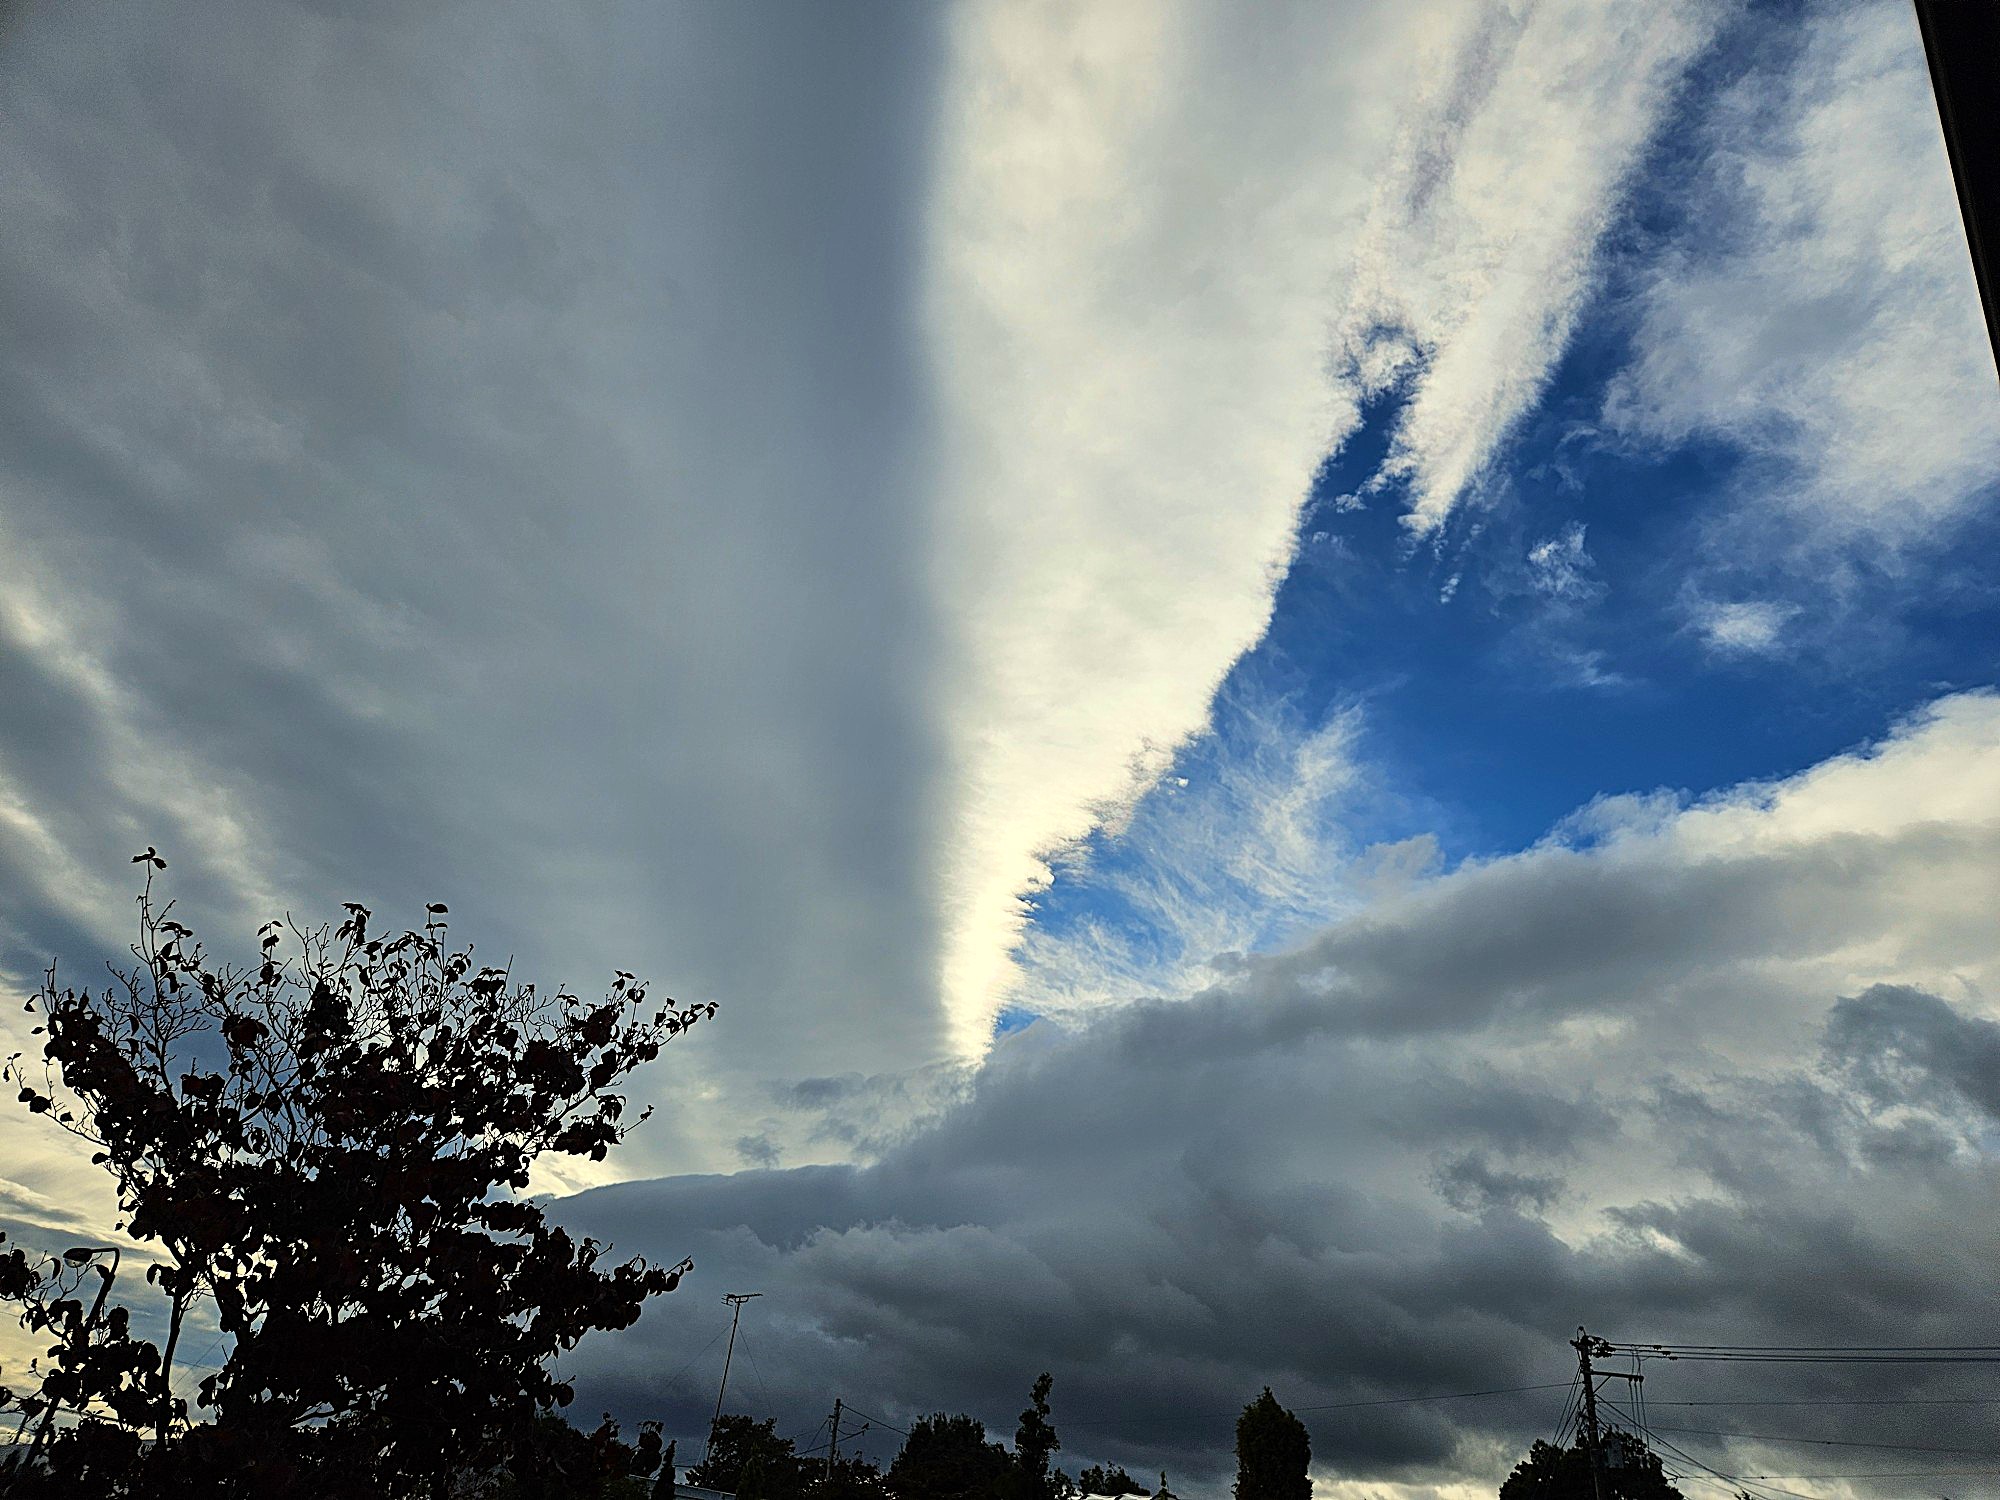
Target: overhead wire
(673, 1378)
(871, 1417)
(1847, 1401)
(1776, 1437)
(1683, 1351)
(1504, 1390)
(1887, 1474)
(1875, 1354)
(1569, 1411)
(1739, 1481)
(757, 1371)
(1687, 1457)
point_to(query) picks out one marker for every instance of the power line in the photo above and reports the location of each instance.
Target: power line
(757, 1370)
(1849, 1401)
(1735, 1480)
(870, 1417)
(1505, 1390)
(1778, 1437)
(1685, 1351)
(1569, 1411)
(1829, 1354)
(1887, 1474)
(812, 1431)
(671, 1379)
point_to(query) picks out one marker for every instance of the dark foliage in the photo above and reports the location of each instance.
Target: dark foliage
(848, 1477)
(1627, 1470)
(556, 1461)
(1273, 1453)
(949, 1458)
(1097, 1480)
(748, 1459)
(324, 1144)
(1035, 1441)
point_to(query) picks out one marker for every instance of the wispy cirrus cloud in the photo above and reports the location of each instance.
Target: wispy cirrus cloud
(1818, 310)
(1478, 256)
(1172, 258)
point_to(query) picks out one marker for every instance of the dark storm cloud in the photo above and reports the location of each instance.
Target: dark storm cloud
(1287, 1180)
(440, 469)
(1902, 1045)
(1177, 1234)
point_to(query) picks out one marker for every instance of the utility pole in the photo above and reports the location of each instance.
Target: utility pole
(1584, 1344)
(736, 1301)
(833, 1448)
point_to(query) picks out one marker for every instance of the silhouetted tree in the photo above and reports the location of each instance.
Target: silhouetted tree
(555, 1461)
(1627, 1470)
(1273, 1452)
(748, 1459)
(325, 1143)
(1096, 1480)
(848, 1477)
(949, 1458)
(1035, 1441)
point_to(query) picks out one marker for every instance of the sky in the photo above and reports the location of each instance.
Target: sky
(1319, 685)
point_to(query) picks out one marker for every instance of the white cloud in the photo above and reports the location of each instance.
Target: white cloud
(1822, 313)
(1743, 627)
(1560, 567)
(657, 523)
(1481, 245)
(1249, 856)
(1148, 222)
(1723, 1074)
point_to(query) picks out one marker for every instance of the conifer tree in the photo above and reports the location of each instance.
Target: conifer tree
(1273, 1453)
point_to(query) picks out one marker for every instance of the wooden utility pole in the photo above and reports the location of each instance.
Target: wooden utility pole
(833, 1446)
(736, 1301)
(1583, 1344)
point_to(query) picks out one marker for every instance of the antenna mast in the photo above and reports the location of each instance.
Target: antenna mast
(735, 1301)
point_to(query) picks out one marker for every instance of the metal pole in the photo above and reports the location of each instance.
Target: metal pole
(736, 1301)
(833, 1449)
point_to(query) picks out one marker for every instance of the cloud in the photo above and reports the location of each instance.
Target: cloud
(1478, 256)
(1243, 851)
(496, 462)
(1560, 567)
(1743, 627)
(1820, 312)
(1714, 1073)
(1171, 258)
(479, 459)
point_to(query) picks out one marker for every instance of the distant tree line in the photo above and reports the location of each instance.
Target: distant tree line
(948, 1456)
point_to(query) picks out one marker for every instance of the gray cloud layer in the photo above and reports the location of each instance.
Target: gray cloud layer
(1658, 1084)
(477, 457)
